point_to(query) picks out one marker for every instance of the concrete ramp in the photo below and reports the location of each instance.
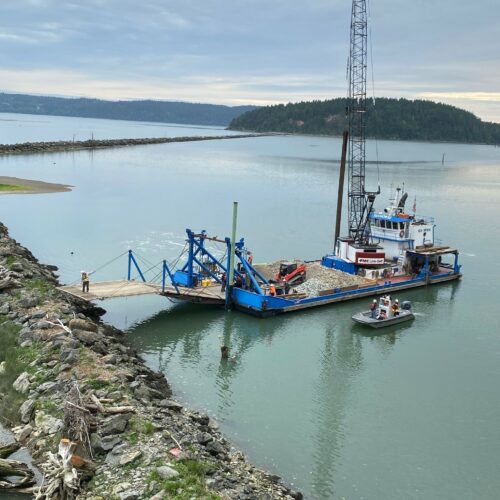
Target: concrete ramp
(111, 289)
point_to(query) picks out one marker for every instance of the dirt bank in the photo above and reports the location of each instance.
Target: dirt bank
(27, 186)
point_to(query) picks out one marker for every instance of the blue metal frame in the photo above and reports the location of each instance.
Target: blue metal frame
(166, 271)
(196, 253)
(131, 259)
(250, 271)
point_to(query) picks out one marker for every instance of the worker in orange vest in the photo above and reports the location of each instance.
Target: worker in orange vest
(272, 290)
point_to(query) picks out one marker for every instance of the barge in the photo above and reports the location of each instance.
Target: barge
(383, 252)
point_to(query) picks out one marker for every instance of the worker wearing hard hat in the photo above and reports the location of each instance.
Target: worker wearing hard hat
(373, 309)
(395, 308)
(85, 281)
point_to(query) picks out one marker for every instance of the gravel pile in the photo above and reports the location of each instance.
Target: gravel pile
(318, 277)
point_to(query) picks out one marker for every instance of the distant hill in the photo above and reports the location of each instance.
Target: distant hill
(148, 111)
(387, 119)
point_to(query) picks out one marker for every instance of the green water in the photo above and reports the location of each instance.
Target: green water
(411, 413)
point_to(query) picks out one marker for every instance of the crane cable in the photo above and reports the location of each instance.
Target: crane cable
(373, 94)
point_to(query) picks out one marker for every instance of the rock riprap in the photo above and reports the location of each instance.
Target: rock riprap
(99, 423)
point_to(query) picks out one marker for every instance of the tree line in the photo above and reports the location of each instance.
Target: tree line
(146, 110)
(387, 118)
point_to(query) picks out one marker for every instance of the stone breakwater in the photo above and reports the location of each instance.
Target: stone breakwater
(75, 377)
(59, 146)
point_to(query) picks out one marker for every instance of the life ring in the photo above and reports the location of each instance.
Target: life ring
(401, 233)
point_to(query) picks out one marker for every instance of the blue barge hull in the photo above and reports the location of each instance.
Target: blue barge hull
(265, 305)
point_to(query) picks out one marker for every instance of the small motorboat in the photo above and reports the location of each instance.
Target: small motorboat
(386, 314)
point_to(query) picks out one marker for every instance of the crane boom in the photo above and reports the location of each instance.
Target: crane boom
(359, 201)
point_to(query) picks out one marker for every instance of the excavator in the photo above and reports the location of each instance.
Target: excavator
(291, 273)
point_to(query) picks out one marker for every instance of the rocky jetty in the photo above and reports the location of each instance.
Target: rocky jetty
(58, 146)
(97, 421)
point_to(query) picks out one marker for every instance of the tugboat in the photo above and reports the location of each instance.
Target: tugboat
(387, 313)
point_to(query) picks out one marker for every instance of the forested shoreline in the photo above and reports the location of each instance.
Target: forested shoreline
(387, 118)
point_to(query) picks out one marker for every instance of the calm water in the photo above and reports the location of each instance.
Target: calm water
(412, 413)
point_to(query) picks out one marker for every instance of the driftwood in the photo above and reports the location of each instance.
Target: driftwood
(111, 410)
(7, 449)
(77, 419)
(13, 468)
(61, 478)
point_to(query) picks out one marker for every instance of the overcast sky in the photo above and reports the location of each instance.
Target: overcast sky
(250, 51)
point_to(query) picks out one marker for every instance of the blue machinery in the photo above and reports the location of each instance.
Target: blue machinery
(202, 264)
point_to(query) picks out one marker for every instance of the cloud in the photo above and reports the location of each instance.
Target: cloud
(252, 51)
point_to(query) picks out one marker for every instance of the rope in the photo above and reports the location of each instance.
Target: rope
(108, 263)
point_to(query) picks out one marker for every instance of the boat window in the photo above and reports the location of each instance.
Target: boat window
(394, 225)
(401, 225)
(382, 223)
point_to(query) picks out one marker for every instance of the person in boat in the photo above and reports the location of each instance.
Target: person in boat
(382, 314)
(223, 281)
(373, 309)
(272, 290)
(250, 258)
(395, 308)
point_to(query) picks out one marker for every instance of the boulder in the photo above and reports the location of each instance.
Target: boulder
(158, 496)
(24, 433)
(166, 472)
(128, 458)
(86, 336)
(69, 355)
(109, 442)
(129, 495)
(39, 314)
(43, 325)
(116, 424)
(204, 438)
(171, 405)
(114, 456)
(28, 302)
(48, 387)
(26, 334)
(5, 308)
(110, 359)
(22, 383)
(47, 424)
(26, 410)
(17, 267)
(215, 448)
(83, 324)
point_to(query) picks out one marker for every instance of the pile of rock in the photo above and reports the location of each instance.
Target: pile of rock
(318, 277)
(134, 441)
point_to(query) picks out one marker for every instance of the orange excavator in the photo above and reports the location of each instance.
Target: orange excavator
(291, 273)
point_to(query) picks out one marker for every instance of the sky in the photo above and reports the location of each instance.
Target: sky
(250, 51)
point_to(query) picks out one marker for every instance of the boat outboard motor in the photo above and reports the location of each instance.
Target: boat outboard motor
(406, 305)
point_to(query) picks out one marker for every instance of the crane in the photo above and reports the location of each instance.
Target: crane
(360, 202)
(356, 249)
